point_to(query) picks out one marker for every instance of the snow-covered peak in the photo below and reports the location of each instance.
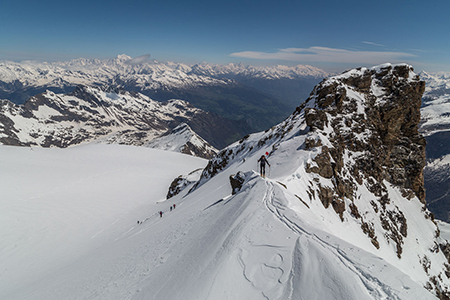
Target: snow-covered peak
(140, 70)
(275, 72)
(184, 140)
(436, 103)
(439, 80)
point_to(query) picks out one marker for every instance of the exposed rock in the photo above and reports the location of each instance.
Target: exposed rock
(182, 182)
(177, 185)
(394, 150)
(236, 181)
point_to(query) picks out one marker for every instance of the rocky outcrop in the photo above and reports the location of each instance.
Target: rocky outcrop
(385, 129)
(180, 183)
(236, 181)
(370, 119)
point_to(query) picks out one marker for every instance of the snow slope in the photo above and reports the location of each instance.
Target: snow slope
(59, 205)
(262, 243)
(184, 140)
(274, 239)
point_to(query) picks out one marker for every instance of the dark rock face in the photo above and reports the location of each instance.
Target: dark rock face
(180, 183)
(176, 186)
(395, 151)
(236, 181)
(383, 131)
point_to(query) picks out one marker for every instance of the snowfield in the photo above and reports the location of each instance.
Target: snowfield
(69, 231)
(62, 205)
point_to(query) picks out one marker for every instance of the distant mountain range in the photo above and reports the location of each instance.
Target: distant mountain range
(435, 126)
(259, 96)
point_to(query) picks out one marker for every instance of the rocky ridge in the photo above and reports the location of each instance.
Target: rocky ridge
(358, 136)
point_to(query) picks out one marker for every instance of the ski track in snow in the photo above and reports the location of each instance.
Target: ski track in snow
(376, 288)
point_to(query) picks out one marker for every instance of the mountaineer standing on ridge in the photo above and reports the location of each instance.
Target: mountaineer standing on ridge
(262, 165)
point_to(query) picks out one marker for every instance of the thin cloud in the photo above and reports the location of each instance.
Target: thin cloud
(327, 55)
(373, 44)
(139, 60)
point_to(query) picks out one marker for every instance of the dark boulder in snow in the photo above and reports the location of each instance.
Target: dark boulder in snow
(236, 181)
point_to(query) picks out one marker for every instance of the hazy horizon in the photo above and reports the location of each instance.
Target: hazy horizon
(333, 36)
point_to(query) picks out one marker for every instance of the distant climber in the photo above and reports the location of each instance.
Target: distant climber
(262, 165)
(160, 214)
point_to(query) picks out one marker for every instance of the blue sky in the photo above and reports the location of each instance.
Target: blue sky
(333, 35)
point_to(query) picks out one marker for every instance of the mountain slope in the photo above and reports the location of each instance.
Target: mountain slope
(259, 96)
(89, 114)
(182, 139)
(435, 126)
(77, 201)
(354, 149)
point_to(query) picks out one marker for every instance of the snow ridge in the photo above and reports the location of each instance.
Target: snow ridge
(184, 140)
(324, 156)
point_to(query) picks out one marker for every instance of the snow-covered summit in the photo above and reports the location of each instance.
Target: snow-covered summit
(275, 72)
(184, 140)
(439, 80)
(436, 103)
